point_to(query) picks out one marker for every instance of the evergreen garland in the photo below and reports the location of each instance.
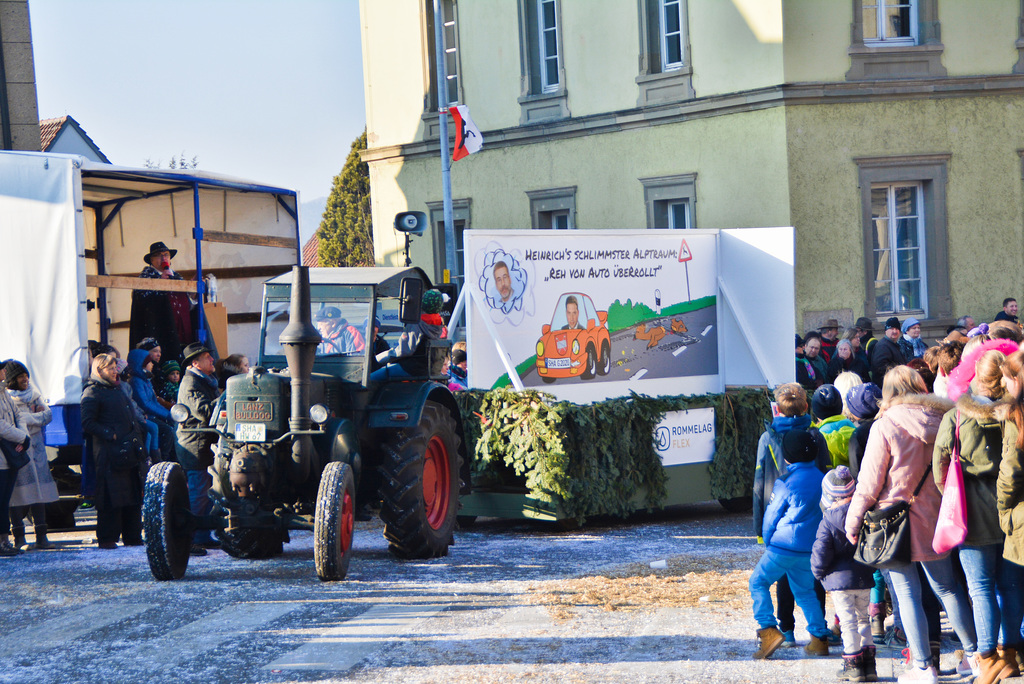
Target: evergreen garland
(595, 459)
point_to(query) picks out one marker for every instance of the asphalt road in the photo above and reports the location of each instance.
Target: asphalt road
(78, 614)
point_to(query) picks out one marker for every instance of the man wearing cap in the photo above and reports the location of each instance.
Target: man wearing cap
(198, 391)
(338, 336)
(885, 353)
(165, 316)
(829, 338)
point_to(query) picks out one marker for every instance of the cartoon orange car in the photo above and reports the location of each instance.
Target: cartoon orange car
(576, 343)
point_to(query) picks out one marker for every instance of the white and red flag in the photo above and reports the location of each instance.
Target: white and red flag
(467, 136)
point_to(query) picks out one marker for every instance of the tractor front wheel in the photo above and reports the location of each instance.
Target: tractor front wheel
(334, 522)
(420, 492)
(165, 521)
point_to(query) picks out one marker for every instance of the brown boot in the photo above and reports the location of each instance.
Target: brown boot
(817, 646)
(768, 641)
(1008, 654)
(42, 542)
(993, 669)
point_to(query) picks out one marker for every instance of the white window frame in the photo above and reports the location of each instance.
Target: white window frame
(672, 217)
(664, 6)
(880, 21)
(892, 219)
(549, 77)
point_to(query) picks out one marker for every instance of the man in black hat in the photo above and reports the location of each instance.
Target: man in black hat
(198, 391)
(865, 328)
(166, 316)
(885, 353)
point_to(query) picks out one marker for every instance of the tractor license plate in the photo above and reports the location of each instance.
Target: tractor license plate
(557, 363)
(250, 432)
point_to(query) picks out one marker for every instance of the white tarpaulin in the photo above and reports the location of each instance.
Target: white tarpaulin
(44, 276)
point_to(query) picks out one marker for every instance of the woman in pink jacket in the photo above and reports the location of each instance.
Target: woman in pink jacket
(898, 457)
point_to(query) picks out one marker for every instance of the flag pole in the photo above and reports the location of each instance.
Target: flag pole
(446, 161)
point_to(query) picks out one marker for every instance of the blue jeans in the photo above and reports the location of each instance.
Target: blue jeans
(1011, 603)
(906, 582)
(797, 569)
(199, 483)
(986, 583)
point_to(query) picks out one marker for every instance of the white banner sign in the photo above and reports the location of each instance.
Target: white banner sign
(684, 437)
(588, 315)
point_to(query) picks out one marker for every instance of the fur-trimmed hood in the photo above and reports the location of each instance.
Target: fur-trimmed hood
(918, 415)
(930, 401)
(984, 412)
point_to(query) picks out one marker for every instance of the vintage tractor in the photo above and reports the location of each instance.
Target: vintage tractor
(311, 431)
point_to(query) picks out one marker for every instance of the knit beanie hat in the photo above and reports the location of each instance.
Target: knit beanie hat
(13, 369)
(169, 367)
(838, 484)
(799, 341)
(862, 400)
(892, 322)
(909, 323)
(826, 402)
(798, 447)
(148, 344)
(432, 302)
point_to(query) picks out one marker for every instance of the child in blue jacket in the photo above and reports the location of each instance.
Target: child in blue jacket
(790, 526)
(791, 400)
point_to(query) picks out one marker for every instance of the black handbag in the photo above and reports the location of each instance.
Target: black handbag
(128, 453)
(884, 540)
(16, 460)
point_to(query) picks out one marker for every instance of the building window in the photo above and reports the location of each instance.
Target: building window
(890, 22)
(543, 95)
(906, 258)
(895, 39)
(665, 69)
(671, 30)
(452, 89)
(898, 239)
(553, 209)
(460, 217)
(549, 64)
(670, 201)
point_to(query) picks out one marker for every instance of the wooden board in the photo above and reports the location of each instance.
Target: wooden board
(126, 283)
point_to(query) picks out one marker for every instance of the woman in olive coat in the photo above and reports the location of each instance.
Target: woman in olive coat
(976, 423)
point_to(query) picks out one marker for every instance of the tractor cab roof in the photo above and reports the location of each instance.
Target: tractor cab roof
(387, 282)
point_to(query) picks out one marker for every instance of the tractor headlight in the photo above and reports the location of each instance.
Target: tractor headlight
(179, 413)
(540, 348)
(318, 413)
(575, 347)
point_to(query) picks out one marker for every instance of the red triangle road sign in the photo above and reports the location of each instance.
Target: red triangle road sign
(684, 252)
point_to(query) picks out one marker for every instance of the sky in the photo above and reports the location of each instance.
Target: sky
(265, 90)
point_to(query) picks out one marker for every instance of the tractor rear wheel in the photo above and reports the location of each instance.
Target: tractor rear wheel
(420, 492)
(334, 522)
(165, 514)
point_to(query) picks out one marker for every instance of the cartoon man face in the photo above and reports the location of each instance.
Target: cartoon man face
(503, 281)
(572, 313)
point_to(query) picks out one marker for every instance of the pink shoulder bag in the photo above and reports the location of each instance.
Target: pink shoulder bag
(951, 528)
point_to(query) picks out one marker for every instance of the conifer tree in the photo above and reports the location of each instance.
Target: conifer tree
(346, 231)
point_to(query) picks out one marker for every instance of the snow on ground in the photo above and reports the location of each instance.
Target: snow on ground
(514, 601)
